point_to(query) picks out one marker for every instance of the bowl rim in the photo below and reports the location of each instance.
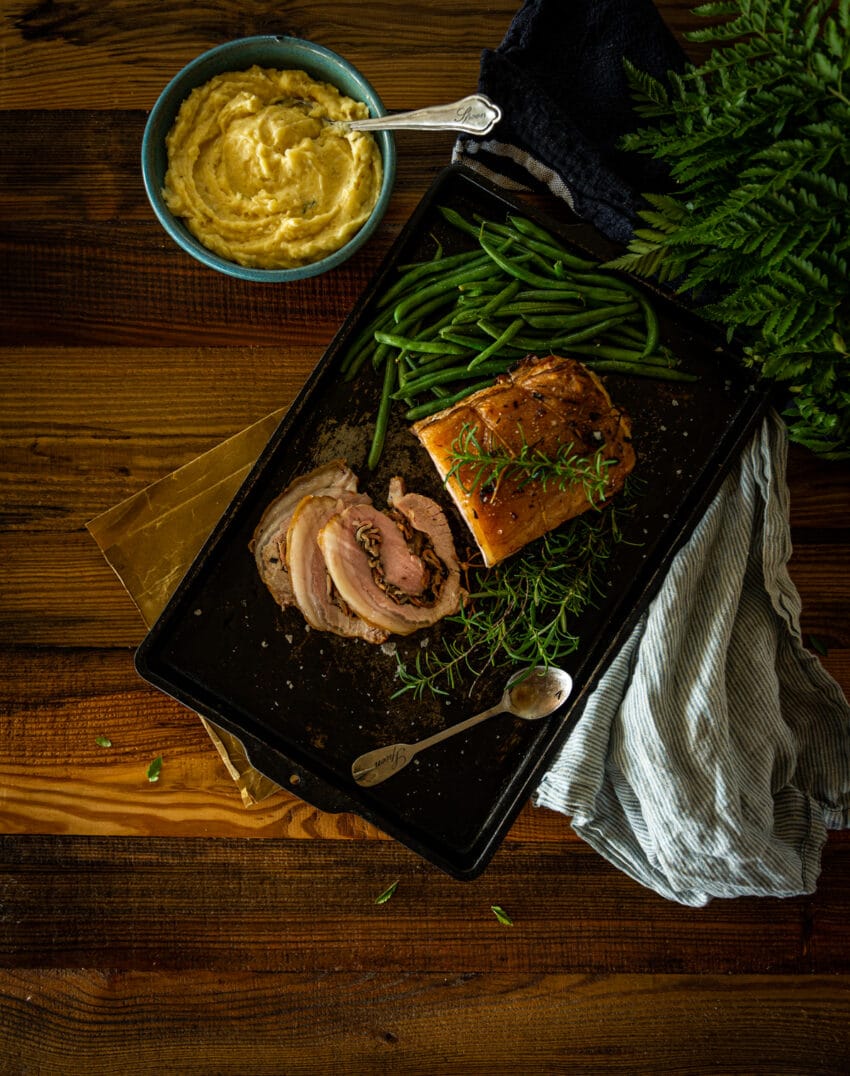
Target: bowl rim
(165, 109)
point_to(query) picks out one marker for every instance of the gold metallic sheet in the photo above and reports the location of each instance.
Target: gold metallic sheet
(151, 539)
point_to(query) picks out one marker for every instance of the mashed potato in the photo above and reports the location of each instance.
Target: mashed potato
(259, 175)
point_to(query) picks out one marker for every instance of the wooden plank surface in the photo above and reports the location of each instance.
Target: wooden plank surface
(168, 927)
(301, 905)
(385, 1023)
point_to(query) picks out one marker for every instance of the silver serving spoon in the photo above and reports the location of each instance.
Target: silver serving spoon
(529, 694)
(475, 114)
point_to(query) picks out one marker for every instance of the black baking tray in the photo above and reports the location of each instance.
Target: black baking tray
(306, 704)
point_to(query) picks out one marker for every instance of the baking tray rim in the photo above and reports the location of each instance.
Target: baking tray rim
(296, 777)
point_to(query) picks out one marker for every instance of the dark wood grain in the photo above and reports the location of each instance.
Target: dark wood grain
(222, 902)
(168, 927)
(415, 1022)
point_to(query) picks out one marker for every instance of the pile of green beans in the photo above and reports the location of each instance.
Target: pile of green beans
(450, 325)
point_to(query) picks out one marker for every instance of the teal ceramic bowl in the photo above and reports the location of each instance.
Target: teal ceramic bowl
(268, 51)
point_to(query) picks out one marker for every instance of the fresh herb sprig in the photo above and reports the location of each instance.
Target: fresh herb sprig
(757, 227)
(477, 468)
(522, 610)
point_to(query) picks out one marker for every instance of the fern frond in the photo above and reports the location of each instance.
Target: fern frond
(757, 141)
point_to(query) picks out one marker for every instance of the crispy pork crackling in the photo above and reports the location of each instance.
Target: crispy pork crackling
(544, 403)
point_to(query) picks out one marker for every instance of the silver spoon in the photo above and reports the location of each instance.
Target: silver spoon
(529, 694)
(475, 114)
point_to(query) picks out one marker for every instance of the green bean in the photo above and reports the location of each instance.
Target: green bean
(545, 295)
(454, 373)
(600, 295)
(588, 333)
(429, 332)
(432, 406)
(379, 356)
(607, 280)
(481, 268)
(379, 434)
(526, 308)
(478, 288)
(418, 314)
(497, 344)
(611, 351)
(523, 343)
(401, 365)
(637, 369)
(441, 362)
(631, 333)
(529, 230)
(419, 347)
(471, 343)
(415, 273)
(459, 222)
(474, 345)
(618, 284)
(652, 327)
(543, 243)
(436, 259)
(504, 295)
(514, 268)
(522, 249)
(586, 317)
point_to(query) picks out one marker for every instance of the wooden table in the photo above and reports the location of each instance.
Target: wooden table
(167, 927)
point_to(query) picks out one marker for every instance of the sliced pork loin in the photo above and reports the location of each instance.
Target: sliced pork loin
(396, 570)
(312, 587)
(268, 544)
(544, 404)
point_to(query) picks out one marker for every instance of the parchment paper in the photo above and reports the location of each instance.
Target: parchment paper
(151, 539)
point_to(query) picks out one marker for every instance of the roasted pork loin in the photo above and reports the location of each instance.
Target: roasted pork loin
(352, 569)
(396, 570)
(313, 589)
(268, 544)
(540, 406)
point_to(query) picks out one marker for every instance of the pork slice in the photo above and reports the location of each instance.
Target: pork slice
(312, 588)
(268, 543)
(394, 573)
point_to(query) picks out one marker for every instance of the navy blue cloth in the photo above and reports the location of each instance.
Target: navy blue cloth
(558, 76)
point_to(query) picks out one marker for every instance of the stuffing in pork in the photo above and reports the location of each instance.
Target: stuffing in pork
(397, 569)
(352, 569)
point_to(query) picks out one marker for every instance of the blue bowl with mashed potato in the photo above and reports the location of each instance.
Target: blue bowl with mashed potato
(246, 169)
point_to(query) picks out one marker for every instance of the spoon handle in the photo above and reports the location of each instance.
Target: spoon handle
(475, 114)
(376, 766)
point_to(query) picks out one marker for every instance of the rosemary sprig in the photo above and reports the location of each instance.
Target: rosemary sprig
(477, 468)
(520, 611)
(388, 893)
(501, 915)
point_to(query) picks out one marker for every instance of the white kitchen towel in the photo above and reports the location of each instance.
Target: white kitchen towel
(714, 754)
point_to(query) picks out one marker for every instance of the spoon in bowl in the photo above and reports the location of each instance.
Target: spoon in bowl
(529, 694)
(475, 114)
